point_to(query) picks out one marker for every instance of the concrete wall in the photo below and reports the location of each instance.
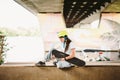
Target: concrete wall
(53, 73)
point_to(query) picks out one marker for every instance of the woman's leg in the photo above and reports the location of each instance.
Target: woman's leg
(48, 56)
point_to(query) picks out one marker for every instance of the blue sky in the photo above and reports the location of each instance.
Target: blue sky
(14, 15)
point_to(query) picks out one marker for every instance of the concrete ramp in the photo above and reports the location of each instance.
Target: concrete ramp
(52, 73)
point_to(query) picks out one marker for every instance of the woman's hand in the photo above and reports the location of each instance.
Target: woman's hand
(62, 59)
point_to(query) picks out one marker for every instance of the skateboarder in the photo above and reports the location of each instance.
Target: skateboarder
(66, 46)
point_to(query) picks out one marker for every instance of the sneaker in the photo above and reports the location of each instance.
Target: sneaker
(40, 63)
(55, 63)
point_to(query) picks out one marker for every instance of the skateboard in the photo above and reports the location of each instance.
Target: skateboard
(74, 60)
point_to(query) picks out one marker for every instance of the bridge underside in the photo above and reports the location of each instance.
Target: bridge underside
(74, 11)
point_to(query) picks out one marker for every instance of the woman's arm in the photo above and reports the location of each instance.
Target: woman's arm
(72, 54)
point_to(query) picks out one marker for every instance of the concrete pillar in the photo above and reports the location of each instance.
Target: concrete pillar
(50, 24)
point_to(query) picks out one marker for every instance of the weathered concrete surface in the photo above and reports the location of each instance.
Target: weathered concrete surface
(53, 73)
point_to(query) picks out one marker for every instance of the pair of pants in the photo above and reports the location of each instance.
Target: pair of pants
(60, 64)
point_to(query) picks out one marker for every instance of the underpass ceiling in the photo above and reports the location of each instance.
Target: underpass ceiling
(74, 11)
(42, 6)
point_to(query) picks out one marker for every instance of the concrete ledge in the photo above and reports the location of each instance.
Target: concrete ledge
(31, 72)
(48, 64)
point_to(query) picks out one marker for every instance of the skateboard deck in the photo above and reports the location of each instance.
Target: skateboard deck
(74, 60)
